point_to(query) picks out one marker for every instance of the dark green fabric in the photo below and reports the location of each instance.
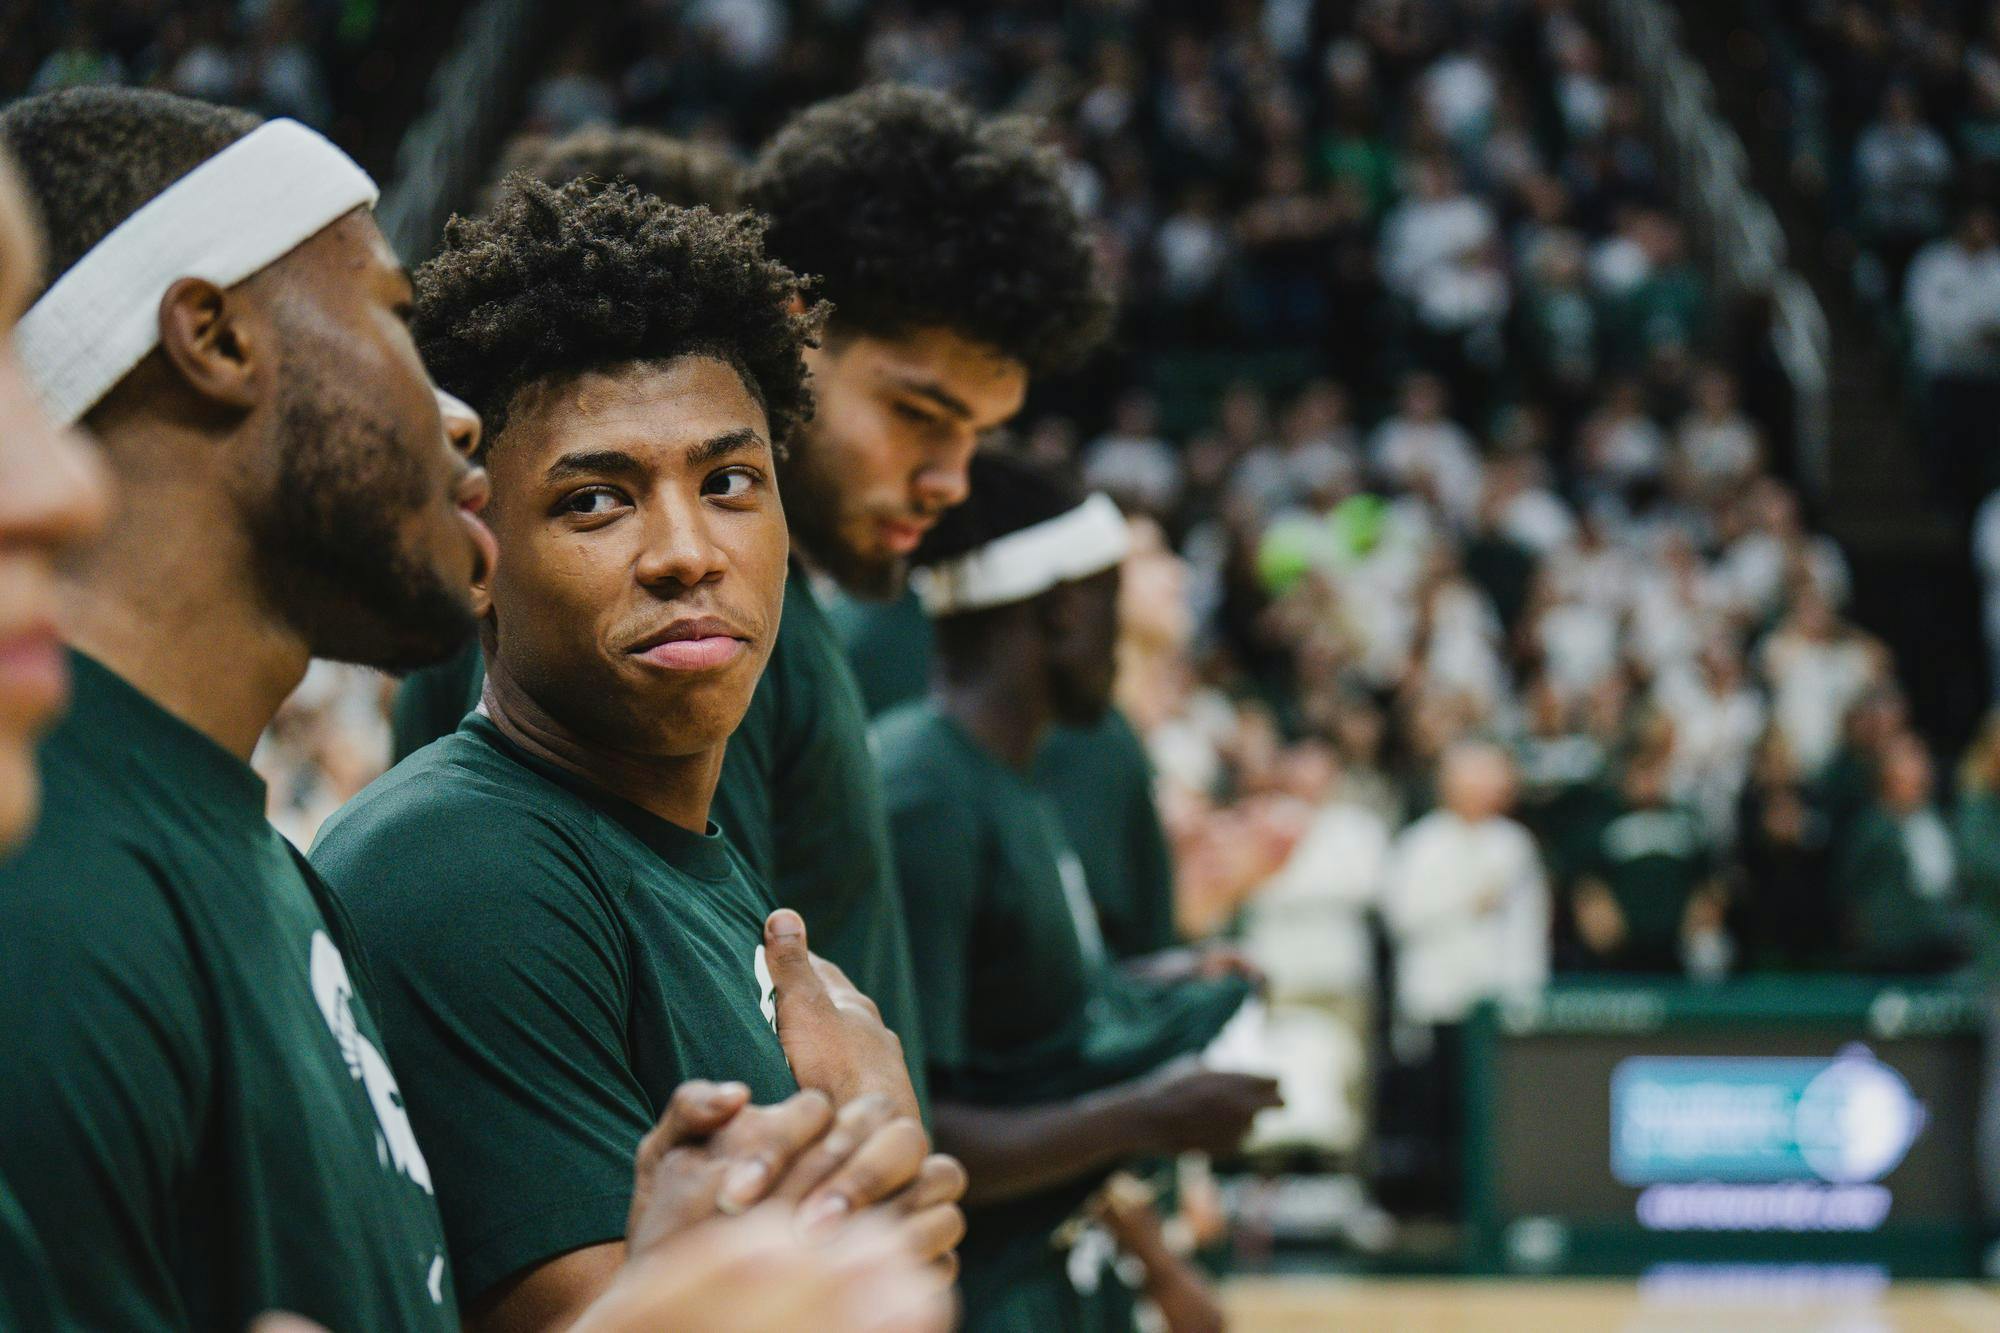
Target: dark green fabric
(1098, 777)
(1976, 838)
(1045, 1302)
(1889, 925)
(198, 1119)
(552, 962)
(1652, 860)
(1015, 1011)
(889, 646)
(1101, 783)
(801, 798)
(28, 1300)
(431, 703)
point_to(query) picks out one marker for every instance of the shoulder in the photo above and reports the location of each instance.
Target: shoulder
(916, 751)
(454, 821)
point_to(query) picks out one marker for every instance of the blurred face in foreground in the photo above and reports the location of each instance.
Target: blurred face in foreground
(53, 497)
(895, 423)
(645, 554)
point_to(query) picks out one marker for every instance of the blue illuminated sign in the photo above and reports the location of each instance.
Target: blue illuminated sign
(1849, 1120)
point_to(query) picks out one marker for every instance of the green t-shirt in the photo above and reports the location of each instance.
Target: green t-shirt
(1652, 860)
(1101, 784)
(28, 1300)
(1098, 777)
(801, 798)
(552, 962)
(432, 702)
(1019, 1008)
(889, 646)
(197, 1112)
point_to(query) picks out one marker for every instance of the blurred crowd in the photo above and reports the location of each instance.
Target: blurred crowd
(268, 55)
(1895, 107)
(1503, 493)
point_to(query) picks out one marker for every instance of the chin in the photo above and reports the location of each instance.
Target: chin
(872, 575)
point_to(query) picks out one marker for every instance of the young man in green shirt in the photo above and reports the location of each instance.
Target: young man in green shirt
(1098, 776)
(1049, 1066)
(53, 499)
(560, 933)
(201, 1109)
(929, 347)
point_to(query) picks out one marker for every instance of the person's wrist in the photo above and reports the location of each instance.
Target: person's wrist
(1137, 1114)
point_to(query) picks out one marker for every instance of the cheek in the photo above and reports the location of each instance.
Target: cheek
(551, 593)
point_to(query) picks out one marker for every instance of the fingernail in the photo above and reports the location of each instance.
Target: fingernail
(787, 925)
(822, 1215)
(740, 1189)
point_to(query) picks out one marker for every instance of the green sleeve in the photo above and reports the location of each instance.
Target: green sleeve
(107, 1071)
(938, 871)
(1152, 878)
(500, 973)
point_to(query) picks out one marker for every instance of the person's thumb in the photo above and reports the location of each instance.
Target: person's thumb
(798, 993)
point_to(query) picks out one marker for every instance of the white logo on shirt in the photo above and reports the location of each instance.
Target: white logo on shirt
(766, 991)
(395, 1144)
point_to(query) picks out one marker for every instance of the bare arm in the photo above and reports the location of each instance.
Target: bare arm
(1010, 1152)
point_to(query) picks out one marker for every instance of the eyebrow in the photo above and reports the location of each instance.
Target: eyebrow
(616, 462)
(593, 462)
(950, 402)
(721, 446)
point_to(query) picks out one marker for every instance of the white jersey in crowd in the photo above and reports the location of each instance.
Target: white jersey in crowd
(1468, 906)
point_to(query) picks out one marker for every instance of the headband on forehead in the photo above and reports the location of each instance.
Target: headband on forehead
(252, 203)
(1087, 540)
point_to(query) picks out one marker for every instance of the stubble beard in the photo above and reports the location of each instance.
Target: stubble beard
(331, 557)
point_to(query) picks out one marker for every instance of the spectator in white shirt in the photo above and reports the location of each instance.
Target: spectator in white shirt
(1433, 228)
(1953, 303)
(1716, 449)
(1467, 906)
(1467, 901)
(1423, 449)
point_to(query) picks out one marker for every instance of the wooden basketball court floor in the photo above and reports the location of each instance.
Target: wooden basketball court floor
(1394, 1305)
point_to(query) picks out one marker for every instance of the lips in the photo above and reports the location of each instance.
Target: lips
(902, 538)
(703, 643)
(34, 674)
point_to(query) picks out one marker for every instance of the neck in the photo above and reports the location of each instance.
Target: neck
(168, 600)
(1000, 709)
(677, 788)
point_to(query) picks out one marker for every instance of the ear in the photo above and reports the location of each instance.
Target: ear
(209, 344)
(482, 593)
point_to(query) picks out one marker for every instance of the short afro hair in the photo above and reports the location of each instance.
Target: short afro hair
(679, 171)
(558, 282)
(911, 211)
(92, 157)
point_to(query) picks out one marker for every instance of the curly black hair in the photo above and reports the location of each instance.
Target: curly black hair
(679, 171)
(914, 212)
(557, 282)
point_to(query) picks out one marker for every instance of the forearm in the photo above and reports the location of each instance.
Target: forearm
(1010, 1152)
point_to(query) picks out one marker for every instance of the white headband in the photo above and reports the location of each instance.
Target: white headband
(253, 202)
(1087, 540)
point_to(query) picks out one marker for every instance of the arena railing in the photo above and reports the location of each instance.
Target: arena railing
(1733, 226)
(472, 102)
